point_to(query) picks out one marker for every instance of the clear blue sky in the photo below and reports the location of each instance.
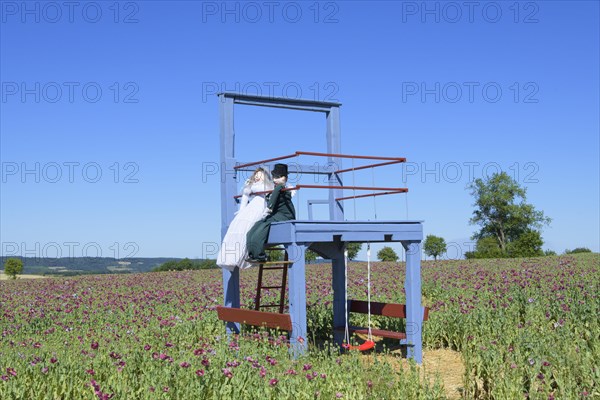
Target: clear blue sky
(453, 89)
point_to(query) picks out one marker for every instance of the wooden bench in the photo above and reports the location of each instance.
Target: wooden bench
(383, 309)
(262, 318)
(257, 318)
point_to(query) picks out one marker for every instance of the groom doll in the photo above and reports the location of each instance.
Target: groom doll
(279, 208)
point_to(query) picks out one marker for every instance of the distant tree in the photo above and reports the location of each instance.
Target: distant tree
(275, 254)
(353, 249)
(578, 250)
(387, 254)
(486, 247)
(185, 265)
(209, 264)
(549, 252)
(167, 266)
(528, 244)
(434, 246)
(503, 214)
(310, 256)
(13, 267)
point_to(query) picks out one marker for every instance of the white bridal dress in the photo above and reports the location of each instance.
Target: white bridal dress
(253, 207)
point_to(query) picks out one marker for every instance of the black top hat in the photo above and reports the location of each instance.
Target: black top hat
(279, 170)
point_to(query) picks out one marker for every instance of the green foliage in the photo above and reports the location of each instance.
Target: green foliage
(549, 252)
(434, 246)
(13, 267)
(277, 254)
(208, 264)
(387, 254)
(186, 264)
(353, 249)
(168, 266)
(486, 247)
(310, 256)
(528, 244)
(578, 250)
(503, 214)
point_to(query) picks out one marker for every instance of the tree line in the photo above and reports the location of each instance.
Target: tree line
(185, 265)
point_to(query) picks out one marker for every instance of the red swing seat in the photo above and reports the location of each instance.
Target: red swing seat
(367, 345)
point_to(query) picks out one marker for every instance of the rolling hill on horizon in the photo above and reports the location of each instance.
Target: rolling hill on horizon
(88, 265)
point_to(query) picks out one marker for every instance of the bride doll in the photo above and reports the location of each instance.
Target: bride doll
(252, 208)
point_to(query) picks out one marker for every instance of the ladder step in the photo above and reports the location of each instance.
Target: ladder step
(272, 265)
(272, 262)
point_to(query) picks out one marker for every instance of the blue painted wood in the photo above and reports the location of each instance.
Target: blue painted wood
(280, 102)
(404, 341)
(279, 231)
(227, 174)
(329, 234)
(334, 146)
(370, 222)
(414, 309)
(352, 226)
(326, 235)
(297, 298)
(339, 292)
(309, 204)
(231, 279)
(350, 237)
(376, 237)
(329, 231)
(328, 238)
(308, 224)
(327, 250)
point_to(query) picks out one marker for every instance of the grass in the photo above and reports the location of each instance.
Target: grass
(498, 329)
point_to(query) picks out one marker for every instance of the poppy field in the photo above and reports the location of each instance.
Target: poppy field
(525, 328)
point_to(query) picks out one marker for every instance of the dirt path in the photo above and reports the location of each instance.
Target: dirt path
(443, 363)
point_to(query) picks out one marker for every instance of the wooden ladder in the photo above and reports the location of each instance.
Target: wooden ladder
(272, 265)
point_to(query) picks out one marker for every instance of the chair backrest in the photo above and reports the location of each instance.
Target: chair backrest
(256, 318)
(385, 309)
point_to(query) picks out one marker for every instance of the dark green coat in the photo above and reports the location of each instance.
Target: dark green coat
(282, 209)
(280, 204)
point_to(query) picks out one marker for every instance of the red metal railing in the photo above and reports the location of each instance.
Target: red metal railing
(387, 190)
(297, 187)
(403, 190)
(308, 153)
(339, 171)
(393, 160)
(265, 161)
